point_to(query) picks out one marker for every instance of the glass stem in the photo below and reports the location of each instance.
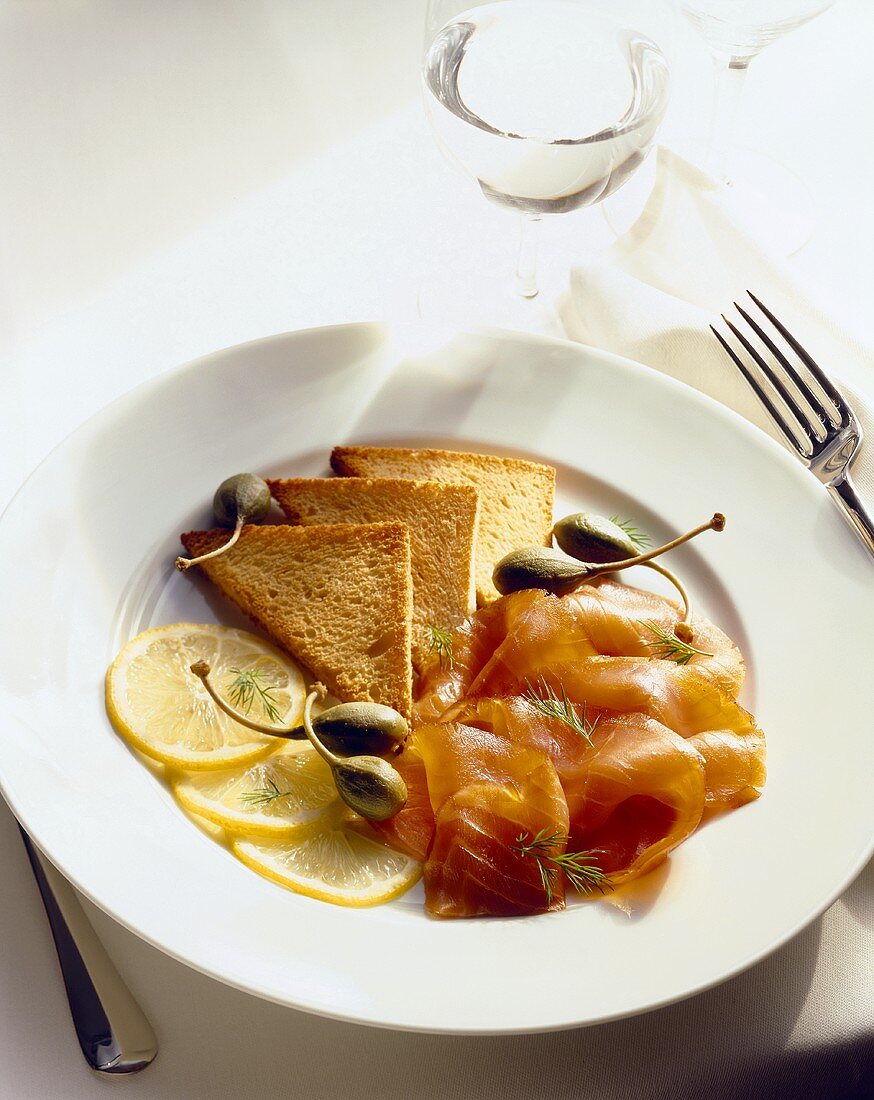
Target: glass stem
(730, 80)
(526, 267)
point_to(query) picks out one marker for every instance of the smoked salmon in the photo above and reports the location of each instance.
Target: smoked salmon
(488, 795)
(569, 719)
(411, 830)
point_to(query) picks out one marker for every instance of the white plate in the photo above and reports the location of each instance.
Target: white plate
(86, 552)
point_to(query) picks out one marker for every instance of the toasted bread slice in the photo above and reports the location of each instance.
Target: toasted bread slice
(515, 495)
(338, 598)
(442, 521)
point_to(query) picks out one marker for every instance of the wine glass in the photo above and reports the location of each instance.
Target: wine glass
(548, 105)
(737, 31)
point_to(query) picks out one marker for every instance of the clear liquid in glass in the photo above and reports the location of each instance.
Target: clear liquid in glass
(546, 104)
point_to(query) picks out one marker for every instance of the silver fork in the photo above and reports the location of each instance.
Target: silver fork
(820, 427)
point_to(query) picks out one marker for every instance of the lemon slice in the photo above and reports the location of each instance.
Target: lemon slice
(209, 828)
(272, 798)
(332, 863)
(157, 704)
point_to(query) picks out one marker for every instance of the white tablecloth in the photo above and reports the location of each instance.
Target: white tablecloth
(181, 177)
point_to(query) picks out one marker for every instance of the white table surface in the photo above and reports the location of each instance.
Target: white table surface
(179, 177)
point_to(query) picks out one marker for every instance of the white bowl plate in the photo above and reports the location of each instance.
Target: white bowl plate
(86, 562)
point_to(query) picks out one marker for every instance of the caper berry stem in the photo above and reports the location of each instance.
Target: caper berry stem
(202, 670)
(675, 581)
(330, 758)
(716, 523)
(186, 563)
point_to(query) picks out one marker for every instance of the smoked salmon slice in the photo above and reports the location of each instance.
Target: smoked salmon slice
(642, 795)
(734, 766)
(634, 791)
(488, 795)
(474, 645)
(657, 742)
(411, 830)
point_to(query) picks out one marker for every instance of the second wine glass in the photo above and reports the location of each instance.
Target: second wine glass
(769, 201)
(737, 31)
(548, 105)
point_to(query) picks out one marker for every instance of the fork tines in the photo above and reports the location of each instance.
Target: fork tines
(799, 408)
(804, 404)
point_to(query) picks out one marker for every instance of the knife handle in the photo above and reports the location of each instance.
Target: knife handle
(113, 1033)
(843, 492)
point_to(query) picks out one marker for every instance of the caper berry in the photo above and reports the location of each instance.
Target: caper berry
(367, 784)
(589, 537)
(237, 501)
(243, 495)
(351, 729)
(538, 567)
(370, 786)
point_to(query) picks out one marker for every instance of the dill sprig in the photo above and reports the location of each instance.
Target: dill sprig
(440, 642)
(671, 648)
(640, 538)
(247, 687)
(542, 696)
(263, 796)
(580, 868)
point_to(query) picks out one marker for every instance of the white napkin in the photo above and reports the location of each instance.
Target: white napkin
(652, 295)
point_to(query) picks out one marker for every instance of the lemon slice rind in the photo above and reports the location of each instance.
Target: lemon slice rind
(157, 705)
(244, 800)
(335, 864)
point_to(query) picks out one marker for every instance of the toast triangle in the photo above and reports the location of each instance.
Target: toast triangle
(338, 598)
(442, 521)
(516, 495)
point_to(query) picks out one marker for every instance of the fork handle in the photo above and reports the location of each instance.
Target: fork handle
(113, 1033)
(844, 494)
